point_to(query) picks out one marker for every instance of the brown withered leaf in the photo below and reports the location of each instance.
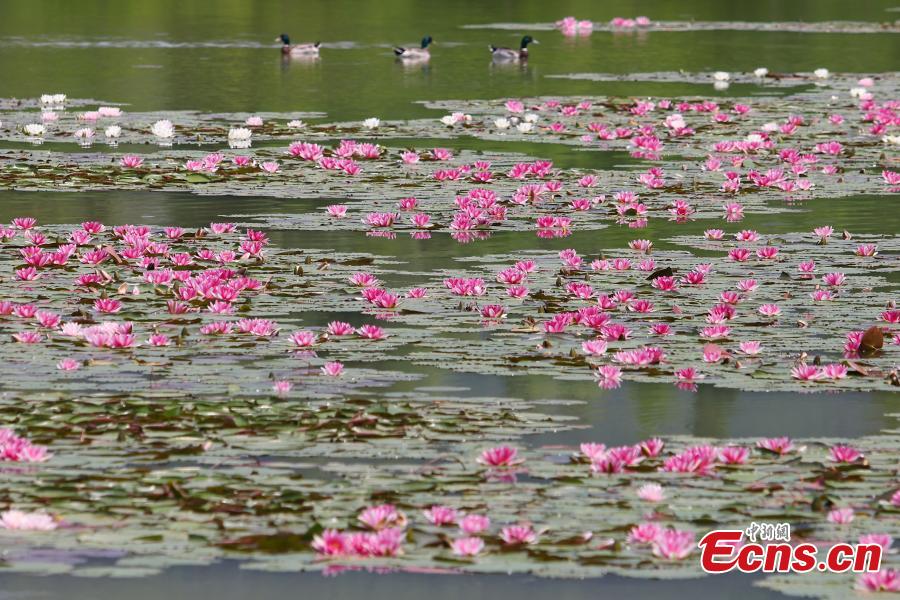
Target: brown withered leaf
(665, 272)
(872, 340)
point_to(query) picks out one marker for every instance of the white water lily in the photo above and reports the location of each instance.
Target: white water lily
(239, 134)
(755, 138)
(296, 124)
(721, 76)
(525, 127)
(448, 120)
(113, 131)
(770, 127)
(891, 139)
(371, 123)
(530, 118)
(721, 85)
(35, 129)
(858, 92)
(53, 99)
(84, 135)
(163, 129)
(821, 73)
(239, 137)
(501, 123)
(761, 72)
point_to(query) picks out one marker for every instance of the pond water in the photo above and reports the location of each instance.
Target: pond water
(192, 56)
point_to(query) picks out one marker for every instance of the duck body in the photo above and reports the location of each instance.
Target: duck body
(511, 54)
(310, 49)
(412, 53)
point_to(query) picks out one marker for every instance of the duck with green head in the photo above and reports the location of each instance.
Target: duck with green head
(413, 53)
(511, 54)
(309, 49)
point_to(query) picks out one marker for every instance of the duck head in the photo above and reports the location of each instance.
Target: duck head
(284, 39)
(426, 41)
(528, 40)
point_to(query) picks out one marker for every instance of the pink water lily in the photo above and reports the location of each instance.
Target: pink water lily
(500, 456)
(27, 521)
(467, 546)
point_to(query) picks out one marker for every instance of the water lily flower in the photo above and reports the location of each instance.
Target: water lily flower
(27, 521)
(644, 533)
(35, 129)
(239, 136)
(651, 492)
(282, 387)
(673, 544)
(516, 535)
(371, 123)
(382, 516)
(163, 129)
(440, 515)
(733, 455)
(467, 546)
(473, 524)
(84, 135)
(840, 516)
(884, 580)
(500, 456)
(769, 310)
(131, 161)
(844, 454)
(805, 372)
(750, 348)
(780, 445)
(333, 369)
(68, 364)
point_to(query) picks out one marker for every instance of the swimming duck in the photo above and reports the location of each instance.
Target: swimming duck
(509, 54)
(421, 53)
(297, 49)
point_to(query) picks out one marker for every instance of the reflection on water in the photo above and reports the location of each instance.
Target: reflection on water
(97, 49)
(636, 411)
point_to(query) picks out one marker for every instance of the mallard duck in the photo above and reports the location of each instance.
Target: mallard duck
(509, 54)
(297, 49)
(421, 53)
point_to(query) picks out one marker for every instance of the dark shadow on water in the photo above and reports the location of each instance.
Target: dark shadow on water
(636, 411)
(225, 581)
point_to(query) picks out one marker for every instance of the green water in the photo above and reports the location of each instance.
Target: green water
(177, 54)
(153, 55)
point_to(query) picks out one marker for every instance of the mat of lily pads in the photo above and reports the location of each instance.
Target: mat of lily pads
(181, 396)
